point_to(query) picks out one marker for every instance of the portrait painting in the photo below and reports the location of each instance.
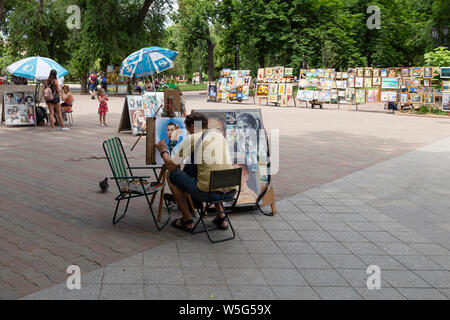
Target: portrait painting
(172, 131)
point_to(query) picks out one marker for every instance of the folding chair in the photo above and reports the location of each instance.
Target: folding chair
(70, 113)
(123, 175)
(223, 179)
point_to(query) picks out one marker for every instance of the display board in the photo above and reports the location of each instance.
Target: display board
(249, 149)
(116, 84)
(367, 85)
(19, 108)
(137, 108)
(275, 85)
(232, 86)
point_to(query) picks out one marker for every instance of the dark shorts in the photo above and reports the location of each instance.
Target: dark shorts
(92, 87)
(54, 101)
(189, 185)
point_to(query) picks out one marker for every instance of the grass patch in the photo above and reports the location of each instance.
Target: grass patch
(192, 87)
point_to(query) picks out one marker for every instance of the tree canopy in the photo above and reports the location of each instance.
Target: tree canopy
(214, 34)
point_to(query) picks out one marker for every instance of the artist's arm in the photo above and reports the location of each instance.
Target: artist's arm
(162, 148)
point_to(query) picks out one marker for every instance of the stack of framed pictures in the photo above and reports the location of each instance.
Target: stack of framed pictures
(275, 85)
(233, 85)
(116, 84)
(137, 108)
(19, 108)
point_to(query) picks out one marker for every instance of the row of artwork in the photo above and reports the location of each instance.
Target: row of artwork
(19, 109)
(275, 75)
(360, 96)
(415, 72)
(362, 82)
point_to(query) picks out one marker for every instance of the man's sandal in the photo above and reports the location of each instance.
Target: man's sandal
(183, 224)
(219, 223)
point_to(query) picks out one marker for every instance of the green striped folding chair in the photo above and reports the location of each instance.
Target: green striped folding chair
(129, 185)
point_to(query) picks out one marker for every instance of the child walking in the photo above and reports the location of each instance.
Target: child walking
(103, 108)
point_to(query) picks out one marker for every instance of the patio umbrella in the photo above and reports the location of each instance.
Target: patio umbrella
(147, 62)
(36, 68)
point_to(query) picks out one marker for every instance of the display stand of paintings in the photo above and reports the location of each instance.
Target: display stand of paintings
(275, 85)
(116, 84)
(19, 108)
(249, 149)
(137, 108)
(232, 86)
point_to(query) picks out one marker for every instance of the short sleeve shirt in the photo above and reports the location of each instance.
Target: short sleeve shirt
(212, 154)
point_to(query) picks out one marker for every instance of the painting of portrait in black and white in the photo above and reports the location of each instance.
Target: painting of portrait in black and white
(246, 138)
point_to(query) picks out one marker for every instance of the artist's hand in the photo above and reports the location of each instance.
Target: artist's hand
(161, 146)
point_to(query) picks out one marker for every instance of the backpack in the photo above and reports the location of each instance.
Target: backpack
(48, 93)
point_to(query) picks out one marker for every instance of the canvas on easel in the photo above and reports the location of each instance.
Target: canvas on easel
(248, 143)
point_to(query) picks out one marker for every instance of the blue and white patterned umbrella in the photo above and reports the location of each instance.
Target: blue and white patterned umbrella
(36, 68)
(147, 61)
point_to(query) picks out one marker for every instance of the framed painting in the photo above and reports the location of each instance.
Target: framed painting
(446, 101)
(260, 75)
(405, 72)
(289, 89)
(359, 82)
(284, 101)
(367, 82)
(268, 72)
(273, 98)
(376, 82)
(427, 82)
(305, 95)
(289, 71)
(360, 96)
(360, 72)
(417, 72)
(417, 83)
(19, 109)
(445, 72)
(341, 84)
(373, 95)
(407, 82)
(350, 94)
(388, 96)
(416, 97)
(429, 98)
(273, 88)
(325, 95)
(350, 83)
(376, 73)
(282, 89)
(334, 96)
(384, 72)
(393, 72)
(428, 72)
(404, 97)
(389, 83)
(172, 131)
(368, 72)
(262, 90)
(445, 86)
(278, 71)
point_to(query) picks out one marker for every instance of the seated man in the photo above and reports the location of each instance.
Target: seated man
(213, 155)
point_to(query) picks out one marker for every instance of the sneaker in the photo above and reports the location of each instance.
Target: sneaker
(92, 98)
(65, 129)
(106, 124)
(102, 124)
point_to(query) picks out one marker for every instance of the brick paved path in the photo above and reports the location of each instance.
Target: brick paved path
(52, 215)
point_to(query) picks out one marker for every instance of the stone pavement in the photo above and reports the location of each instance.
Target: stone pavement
(53, 216)
(395, 215)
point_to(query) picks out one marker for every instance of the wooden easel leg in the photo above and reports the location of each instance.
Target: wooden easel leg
(274, 208)
(161, 174)
(161, 199)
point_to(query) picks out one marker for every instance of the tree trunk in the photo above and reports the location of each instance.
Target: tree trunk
(211, 46)
(84, 89)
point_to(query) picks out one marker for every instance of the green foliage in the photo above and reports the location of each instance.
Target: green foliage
(439, 57)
